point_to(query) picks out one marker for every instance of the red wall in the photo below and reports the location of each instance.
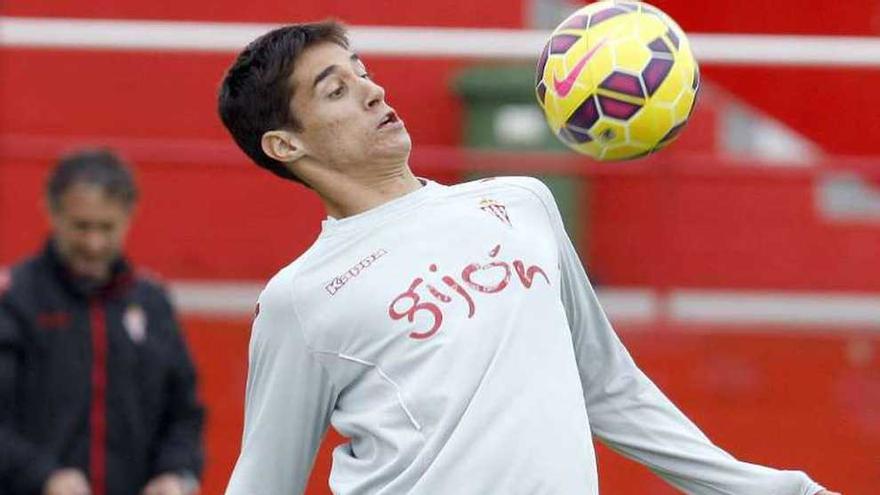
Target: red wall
(675, 221)
(790, 400)
(378, 12)
(172, 96)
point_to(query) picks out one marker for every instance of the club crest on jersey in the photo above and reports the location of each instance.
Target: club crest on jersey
(5, 280)
(498, 210)
(135, 322)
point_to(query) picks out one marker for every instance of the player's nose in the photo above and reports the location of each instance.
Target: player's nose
(374, 95)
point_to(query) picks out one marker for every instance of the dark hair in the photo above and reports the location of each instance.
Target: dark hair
(99, 167)
(255, 94)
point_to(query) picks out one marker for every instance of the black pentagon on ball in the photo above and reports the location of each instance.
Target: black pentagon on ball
(541, 91)
(576, 22)
(542, 63)
(648, 9)
(617, 109)
(624, 83)
(562, 42)
(673, 38)
(629, 6)
(659, 46)
(604, 15)
(585, 115)
(655, 73)
(574, 136)
(672, 133)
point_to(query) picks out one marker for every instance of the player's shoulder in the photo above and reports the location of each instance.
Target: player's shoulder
(279, 290)
(508, 185)
(21, 278)
(295, 277)
(150, 282)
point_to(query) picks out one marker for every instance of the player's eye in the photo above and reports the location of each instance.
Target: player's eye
(338, 92)
(366, 75)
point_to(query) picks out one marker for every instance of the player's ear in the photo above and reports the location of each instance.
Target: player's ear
(282, 145)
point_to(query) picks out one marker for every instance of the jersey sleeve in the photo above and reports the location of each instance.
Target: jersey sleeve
(288, 402)
(631, 415)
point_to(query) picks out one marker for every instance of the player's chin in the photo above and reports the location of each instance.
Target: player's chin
(393, 147)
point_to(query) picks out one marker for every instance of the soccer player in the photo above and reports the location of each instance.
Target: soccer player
(449, 332)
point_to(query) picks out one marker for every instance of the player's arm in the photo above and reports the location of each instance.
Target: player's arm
(23, 466)
(287, 404)
(630, 414)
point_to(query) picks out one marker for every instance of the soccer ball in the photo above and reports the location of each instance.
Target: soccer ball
(617, 80)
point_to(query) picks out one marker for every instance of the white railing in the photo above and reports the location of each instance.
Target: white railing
(508, 44)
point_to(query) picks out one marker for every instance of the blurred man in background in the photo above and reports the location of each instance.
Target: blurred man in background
(449, 332)
(97, 388)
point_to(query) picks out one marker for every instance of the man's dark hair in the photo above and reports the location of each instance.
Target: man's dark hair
(99, 167)
(254, 96)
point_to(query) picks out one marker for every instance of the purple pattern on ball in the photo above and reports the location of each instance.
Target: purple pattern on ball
(542, 92)
(628, 6)
(562, 42)
(574, 136)
(696, 82)
(658, 46)
(648, 9)
(617, 109)
(693, 104)
(655, 73)
(576, 22)
(672, 133)
(586, 115)
(604, 15)
(542, 63)
(673, 38)
(623, 83)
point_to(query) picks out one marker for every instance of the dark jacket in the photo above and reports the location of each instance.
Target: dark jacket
(94, 378)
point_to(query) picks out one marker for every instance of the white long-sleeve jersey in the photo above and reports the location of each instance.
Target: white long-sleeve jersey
(453, 336)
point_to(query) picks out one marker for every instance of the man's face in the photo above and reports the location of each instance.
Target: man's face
(89, 229)
(345, 119)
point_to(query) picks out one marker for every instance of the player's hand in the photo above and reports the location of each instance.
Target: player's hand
(67, 481)
(167, 484)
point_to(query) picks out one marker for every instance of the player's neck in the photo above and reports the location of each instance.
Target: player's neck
(346, 195)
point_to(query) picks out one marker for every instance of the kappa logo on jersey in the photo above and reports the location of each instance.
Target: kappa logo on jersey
(497, 209)
(487, 278)
(339, 282)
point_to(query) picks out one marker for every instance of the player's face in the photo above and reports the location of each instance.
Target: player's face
(345, 119)
(89, 230)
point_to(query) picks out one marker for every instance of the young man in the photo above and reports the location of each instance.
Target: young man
(449, 332)
(97, 390)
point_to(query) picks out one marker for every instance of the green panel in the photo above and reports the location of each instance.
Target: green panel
(501, 109)
(502, 113)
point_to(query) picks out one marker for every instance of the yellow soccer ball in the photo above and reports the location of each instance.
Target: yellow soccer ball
(617, 80)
